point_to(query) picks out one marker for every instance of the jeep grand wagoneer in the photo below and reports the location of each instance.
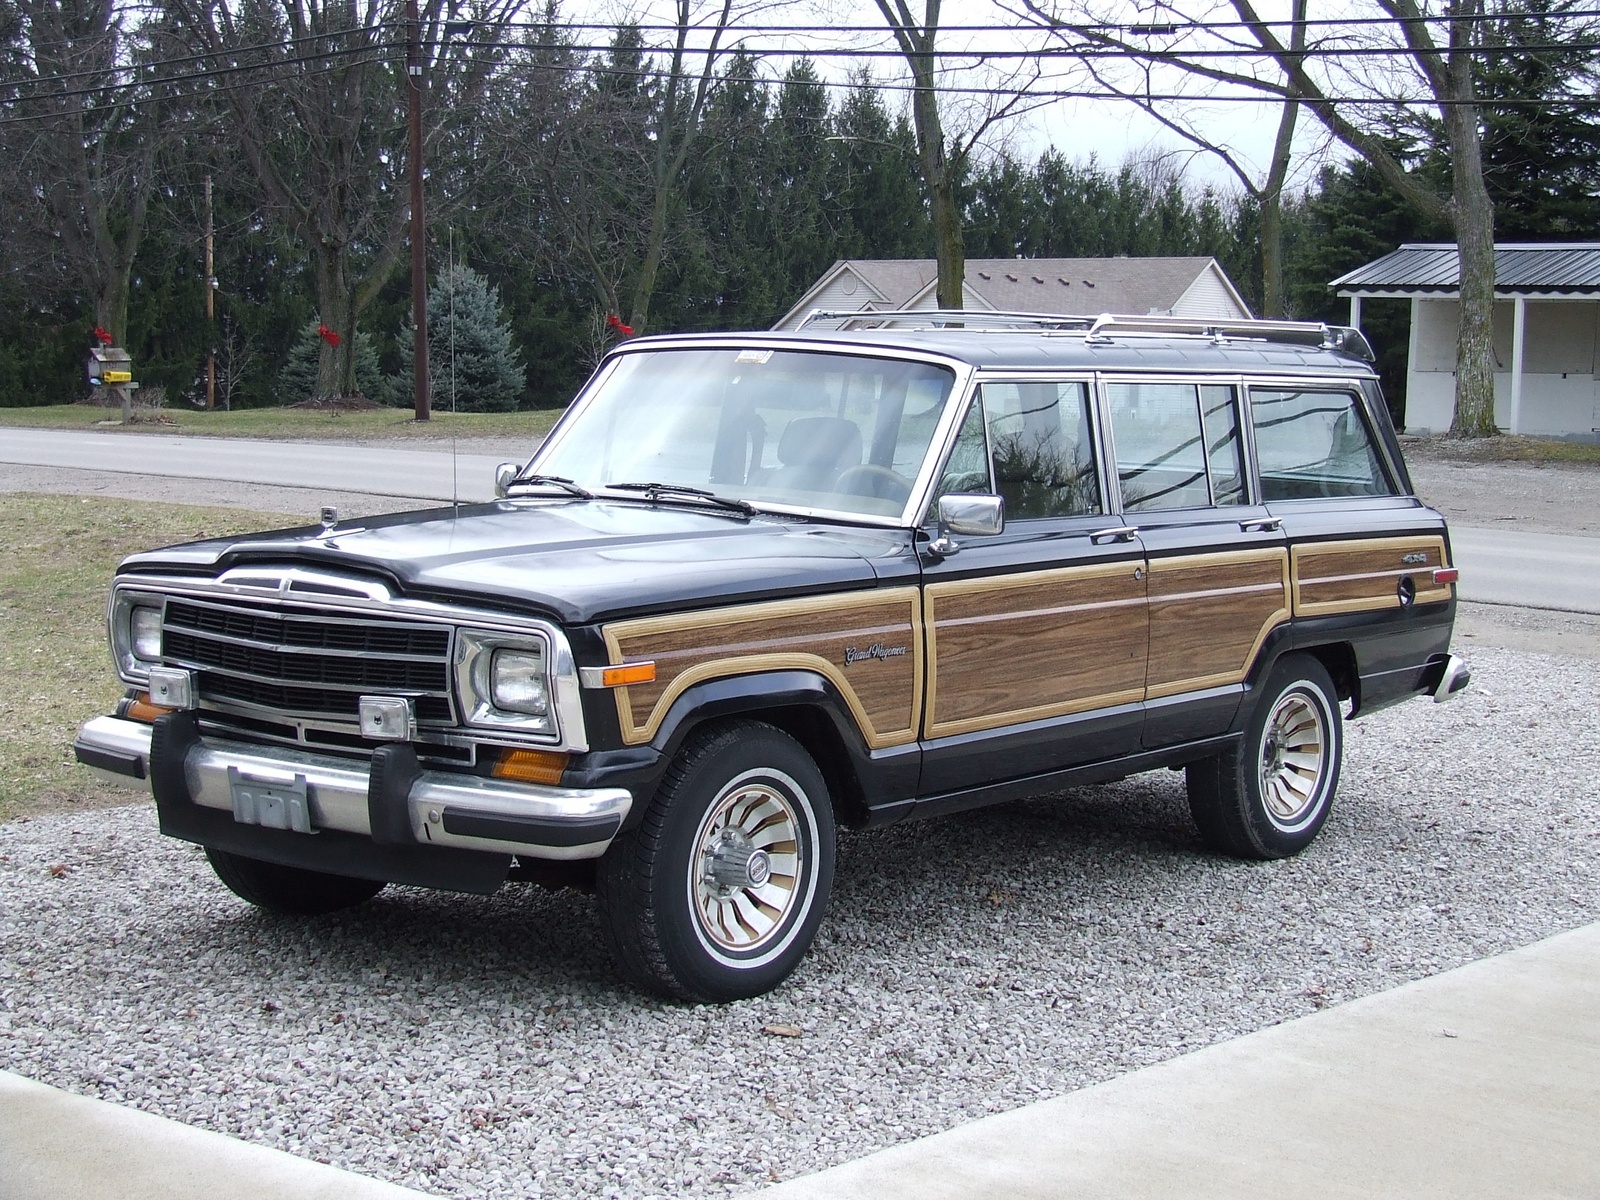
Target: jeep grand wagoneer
(754, 586)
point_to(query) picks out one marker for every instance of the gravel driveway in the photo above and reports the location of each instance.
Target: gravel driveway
(479, 1047)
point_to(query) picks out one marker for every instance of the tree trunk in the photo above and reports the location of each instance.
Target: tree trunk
(111, 302)
(948, 242)
(1473, 214)
(335, 364)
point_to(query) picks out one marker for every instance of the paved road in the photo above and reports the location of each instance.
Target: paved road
(1533, 570)
(377, 470)
(1537, 570)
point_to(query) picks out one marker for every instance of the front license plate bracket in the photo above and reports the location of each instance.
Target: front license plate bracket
(270, 803)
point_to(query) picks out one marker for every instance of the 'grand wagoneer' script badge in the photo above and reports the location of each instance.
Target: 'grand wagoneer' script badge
(877, 650)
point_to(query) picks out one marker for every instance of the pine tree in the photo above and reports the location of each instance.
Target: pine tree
(298, 379)
(471, 354)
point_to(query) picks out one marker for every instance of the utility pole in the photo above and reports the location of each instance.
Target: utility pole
(211, 310)
(419, 248)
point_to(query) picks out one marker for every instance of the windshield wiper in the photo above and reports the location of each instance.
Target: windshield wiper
(561, 481)
(658, 491)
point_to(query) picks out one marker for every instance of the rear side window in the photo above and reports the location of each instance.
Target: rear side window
(1314, 445)
(1032, 440)
(1177, 445)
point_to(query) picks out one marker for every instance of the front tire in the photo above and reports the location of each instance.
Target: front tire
(293, 891)
(717, 894)
(1270, 796)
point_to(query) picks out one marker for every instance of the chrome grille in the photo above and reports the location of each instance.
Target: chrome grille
(306, 662)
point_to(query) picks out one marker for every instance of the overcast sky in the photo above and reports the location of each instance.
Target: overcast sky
(1078, 128)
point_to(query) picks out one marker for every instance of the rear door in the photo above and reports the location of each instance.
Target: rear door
(1036, 637)
(1217, 559)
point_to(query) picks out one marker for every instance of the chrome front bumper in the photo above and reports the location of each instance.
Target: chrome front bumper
(445, 808)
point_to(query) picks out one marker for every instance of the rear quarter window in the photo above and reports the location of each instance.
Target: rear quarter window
(1314, 445)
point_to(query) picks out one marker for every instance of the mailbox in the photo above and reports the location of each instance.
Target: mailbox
(110, 365)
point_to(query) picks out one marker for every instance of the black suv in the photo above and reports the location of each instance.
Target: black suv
(754, 586)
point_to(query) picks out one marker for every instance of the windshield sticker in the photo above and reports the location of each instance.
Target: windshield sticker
(753, 356)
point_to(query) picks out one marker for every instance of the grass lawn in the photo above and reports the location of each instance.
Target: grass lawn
(289, 423)
(56, 562)
(1505, 448)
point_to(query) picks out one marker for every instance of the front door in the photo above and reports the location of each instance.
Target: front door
(1037, 637)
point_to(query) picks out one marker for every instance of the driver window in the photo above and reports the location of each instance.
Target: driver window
(1039, 453)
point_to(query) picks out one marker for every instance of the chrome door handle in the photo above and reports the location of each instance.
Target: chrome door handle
(1123, 533)
(1261, 525)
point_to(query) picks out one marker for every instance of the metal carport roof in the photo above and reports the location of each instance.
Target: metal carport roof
(1530, 268)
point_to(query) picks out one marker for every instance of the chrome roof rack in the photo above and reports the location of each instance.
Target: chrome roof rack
(1295, 333)
(945, 318)
(1100, 329)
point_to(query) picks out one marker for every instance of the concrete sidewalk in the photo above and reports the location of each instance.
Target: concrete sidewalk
(57, 1146)
(1483, 1081)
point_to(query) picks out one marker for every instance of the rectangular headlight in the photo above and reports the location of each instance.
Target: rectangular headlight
(144, 625)
(504, 681)
(517, 682)
(133, 622)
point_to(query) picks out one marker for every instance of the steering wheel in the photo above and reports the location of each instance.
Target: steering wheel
(869, 479)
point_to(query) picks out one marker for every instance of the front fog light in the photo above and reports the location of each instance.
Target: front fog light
(516, 682)
(145, 629)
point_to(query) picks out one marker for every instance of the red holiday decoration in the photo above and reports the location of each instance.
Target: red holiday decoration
(328, 336)
(102, 336)
(616, 323)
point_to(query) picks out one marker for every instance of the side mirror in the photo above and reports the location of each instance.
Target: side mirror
(970, 516)
(504, 476)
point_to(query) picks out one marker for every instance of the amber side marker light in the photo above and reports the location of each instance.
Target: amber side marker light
(530, 766)
(140, 709)
(1446, 575)
(641, 672)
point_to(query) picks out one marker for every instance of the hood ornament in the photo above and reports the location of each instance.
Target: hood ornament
(330, 518)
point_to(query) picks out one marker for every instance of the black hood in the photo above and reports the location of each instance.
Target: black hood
(578, 561)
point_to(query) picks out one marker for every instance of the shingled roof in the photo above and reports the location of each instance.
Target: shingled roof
(1520, 268)
(1067, 286)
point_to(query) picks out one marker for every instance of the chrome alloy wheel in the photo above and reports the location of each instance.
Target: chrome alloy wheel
(748, 874)
(1294, 755)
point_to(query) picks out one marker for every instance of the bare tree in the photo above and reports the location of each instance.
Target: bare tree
(942, 163)
(597, 146)
(1382, 86)
(1267, 190)
(314, 102)
(81, 141)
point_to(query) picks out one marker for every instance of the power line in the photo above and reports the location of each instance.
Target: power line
(823, 52)
(376, 51)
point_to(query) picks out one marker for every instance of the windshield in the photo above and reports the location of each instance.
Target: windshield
(796, 428)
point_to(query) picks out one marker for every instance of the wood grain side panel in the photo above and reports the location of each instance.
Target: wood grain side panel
(1036, 645)
(832, 635)
(1356, 576)
(1209, 614)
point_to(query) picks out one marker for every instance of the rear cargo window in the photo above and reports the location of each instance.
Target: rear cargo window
(1314, 445)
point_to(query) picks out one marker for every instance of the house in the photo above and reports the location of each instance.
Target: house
(1546, 320)
(1180, 287)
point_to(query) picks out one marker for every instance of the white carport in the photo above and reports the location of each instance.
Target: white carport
(1546, 330)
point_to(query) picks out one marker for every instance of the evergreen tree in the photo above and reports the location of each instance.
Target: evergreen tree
(472, 364)
(297, 381)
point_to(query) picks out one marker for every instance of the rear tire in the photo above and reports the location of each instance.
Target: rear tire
(717, 893)
(290, 890)
(1270, 796)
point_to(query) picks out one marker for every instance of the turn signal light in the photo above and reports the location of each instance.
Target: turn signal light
(140, 709)
(1446, 575)
(530, 766)
(640, 672)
